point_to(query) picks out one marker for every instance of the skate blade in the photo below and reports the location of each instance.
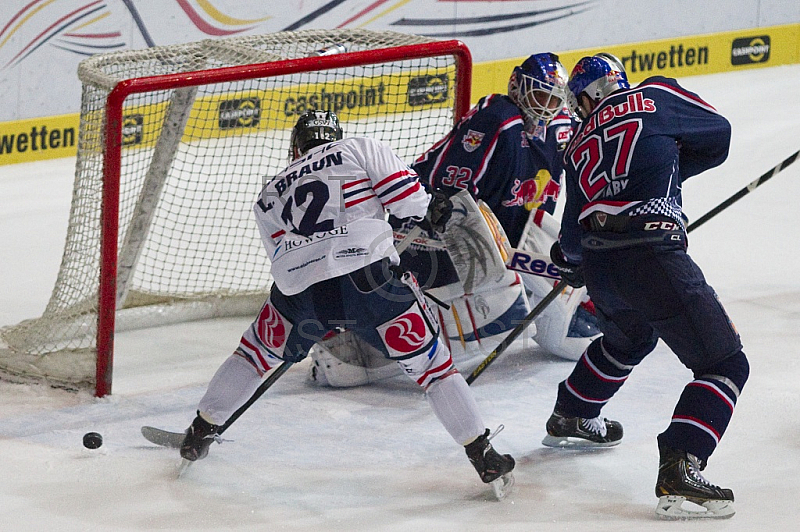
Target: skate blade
(567, 442)
(182, 467)
(672, 507)
(502, 486)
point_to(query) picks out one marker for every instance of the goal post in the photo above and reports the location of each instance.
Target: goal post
(175, 143)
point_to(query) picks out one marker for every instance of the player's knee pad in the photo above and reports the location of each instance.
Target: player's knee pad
(732, 371)
(343, 360)
(410, 333)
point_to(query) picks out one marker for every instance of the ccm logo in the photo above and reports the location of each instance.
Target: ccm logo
(661, 226)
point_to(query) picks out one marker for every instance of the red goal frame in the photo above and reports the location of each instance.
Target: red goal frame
(109, 230)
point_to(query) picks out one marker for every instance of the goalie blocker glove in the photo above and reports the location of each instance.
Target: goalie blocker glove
(440, 209)
(572, 274)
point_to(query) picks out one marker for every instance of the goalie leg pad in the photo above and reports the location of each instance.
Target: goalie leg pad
(493, 311)
(552, 325)
(345, 360)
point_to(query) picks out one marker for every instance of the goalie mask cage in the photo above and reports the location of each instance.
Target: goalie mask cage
(174, 145)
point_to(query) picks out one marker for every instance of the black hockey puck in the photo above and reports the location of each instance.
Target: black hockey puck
(92, 440)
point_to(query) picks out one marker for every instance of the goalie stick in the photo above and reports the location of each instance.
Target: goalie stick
(743, 192)
(174, 440)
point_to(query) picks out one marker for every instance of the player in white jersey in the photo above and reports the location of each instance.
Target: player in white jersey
(323, 223)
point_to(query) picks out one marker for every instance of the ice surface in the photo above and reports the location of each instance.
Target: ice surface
(375, 458)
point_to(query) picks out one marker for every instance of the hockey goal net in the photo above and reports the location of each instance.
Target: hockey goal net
(174, 145)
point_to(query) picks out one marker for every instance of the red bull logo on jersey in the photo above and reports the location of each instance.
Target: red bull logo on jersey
(471, 140)
(634, 103)
(530, 193)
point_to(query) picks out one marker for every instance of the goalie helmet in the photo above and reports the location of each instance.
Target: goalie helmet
(597, 77)
(539, 87)
(314, 128)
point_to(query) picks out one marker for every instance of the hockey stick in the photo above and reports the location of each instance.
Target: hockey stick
(508, 340)
(408, 239)
(280, 370)
(174, 439)
(743, 192)
(263, 387)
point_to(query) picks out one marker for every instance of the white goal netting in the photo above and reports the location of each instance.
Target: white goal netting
(192, 159)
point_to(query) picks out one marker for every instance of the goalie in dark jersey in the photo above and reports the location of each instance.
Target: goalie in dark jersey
(506, 153)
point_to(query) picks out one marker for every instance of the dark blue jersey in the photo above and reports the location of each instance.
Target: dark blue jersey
(489, 154)
(633, 152)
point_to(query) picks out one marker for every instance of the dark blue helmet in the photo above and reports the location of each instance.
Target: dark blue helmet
(597, 77)
(539, 87)
(314, 128)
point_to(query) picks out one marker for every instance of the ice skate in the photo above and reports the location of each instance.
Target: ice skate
(683, 493)
(198, 439)
(493, 468)
(581, 433)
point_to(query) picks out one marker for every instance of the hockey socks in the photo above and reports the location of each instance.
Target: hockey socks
(595, 379)
(454, 405)
(705, 408)
(232, 385)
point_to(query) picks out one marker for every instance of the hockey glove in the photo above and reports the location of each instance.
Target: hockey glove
(440, 209)
(572, 274)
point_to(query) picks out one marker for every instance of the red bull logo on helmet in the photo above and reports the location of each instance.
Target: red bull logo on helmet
(613, 76)
(578, 69)
(555, 78)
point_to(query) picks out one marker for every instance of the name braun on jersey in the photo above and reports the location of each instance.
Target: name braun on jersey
(281, 184)
(331, 159)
